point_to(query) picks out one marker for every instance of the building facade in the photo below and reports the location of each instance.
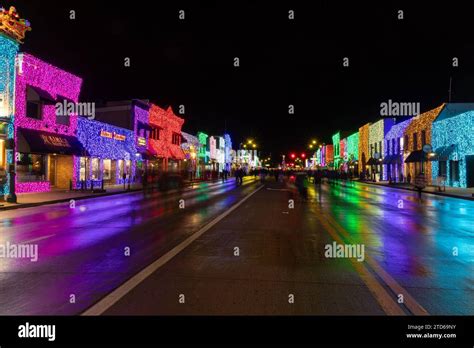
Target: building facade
(46, 142)
(416, 135)
(453, 146)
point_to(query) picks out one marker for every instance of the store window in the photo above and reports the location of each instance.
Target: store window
(128, 168)
(82, 168)
(31, 167)
(2, 155)
(120, 164)
(107, 173)
(95, 169)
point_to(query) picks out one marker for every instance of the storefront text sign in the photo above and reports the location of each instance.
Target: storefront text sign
(55, 141)
(113, 135)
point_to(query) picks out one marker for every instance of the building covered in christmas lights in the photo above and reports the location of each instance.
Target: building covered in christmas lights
(46, 141)
(453, 146)
(339, 141)
(203, 155)
(352, 152)
(377, 132)
(395, 153)
(165, 140)
(364, 154)
(329, 156)
(110, 155)
(416, 135)
(131, 115)
(191, 147)
(12, 33)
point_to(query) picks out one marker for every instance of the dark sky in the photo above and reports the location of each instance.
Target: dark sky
(283, 62)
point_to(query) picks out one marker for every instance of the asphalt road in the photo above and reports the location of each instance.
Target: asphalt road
(243, 250)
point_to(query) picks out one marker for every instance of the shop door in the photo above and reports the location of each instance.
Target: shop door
(470, 171)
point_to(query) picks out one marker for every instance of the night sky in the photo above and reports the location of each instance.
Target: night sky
(282, 62)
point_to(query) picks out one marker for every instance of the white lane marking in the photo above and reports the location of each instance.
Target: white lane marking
(110, 299)
(37, 239)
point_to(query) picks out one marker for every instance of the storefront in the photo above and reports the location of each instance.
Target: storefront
(46, 142)
(45, 160)
(416, 135)
(453, 146)
(109, 155)
(395, 153)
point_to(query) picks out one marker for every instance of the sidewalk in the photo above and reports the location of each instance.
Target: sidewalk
(26, 200)
(56, 196)
(455, 192)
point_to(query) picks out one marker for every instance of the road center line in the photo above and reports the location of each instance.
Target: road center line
(409, 301)
(112, 298)
(381, 295)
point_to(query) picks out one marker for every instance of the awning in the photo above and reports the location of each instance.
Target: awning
(416, 156)
(443, 153)
(33, 141)
(175, 152)
(43, 95)
(372, 162)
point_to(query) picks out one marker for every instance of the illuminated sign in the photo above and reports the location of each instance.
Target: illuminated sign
(55, 141)
(105, 134)
(113, 135)
(141, 141)
(119, 137)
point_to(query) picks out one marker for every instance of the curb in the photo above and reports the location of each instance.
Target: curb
(412, 190)
(62, 200)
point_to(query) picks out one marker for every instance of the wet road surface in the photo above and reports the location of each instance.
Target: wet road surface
(265, 257)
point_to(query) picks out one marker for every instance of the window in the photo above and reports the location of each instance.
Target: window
(63, 117)
(34, 104)
(34, 110)
(128, 167)
(95, 169)
(120, 164)
(423, 138)
(405, 143)
(107, 172)
(442, 169)
(176, 139)
(394, 147)
(155, 134)
(31, 167)
(415, 142)
(82, 169)
(454, 169)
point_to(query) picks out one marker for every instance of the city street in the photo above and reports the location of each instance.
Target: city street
(257, 250)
